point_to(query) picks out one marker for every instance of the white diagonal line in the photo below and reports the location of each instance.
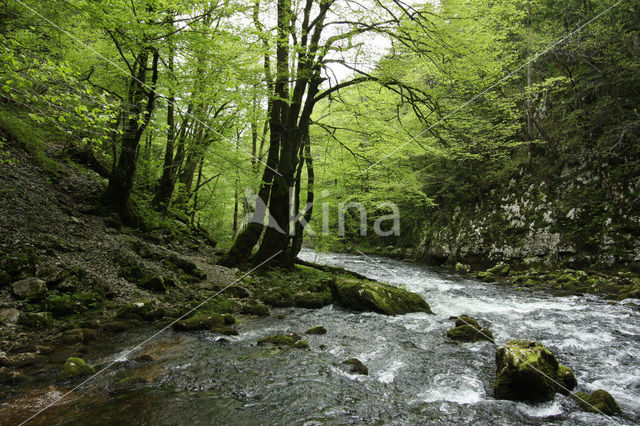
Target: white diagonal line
(135, 348)
(503, 79)
(128, 74)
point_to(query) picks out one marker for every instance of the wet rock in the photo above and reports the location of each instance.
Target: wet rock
(10, 377)
(357, 367)
(316, 330)
(36, 320)
(22, 359)
(486, 276)
(279, 298)
(153, 283)
(255, 309)
(116, 326)
(130, 382)
(29, 288)
(312, 299)
(469, 333)
(229, 319)
(75, 367)
(599, 401)
(528, 371)
(224, 330)
(467, 329)
(500, 269)
(200, 322)
(78, 335)
(361, 295)
(140, 310)
(291, 340)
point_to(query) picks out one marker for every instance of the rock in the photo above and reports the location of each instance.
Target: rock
(361, 295)
(469, 333)
(75, 367)
(599, 401)
(58, 357)
(224, 330)
(279, 298)
(15, 264)
(462, 268)
(357, 366)
(312, 300)
(153, 283)
(5, 278)
(23, 360)
(486, 276)
(51, 274)
(78, 335)
(29, 288)
(528, 371)
(501, 269)
(257, 310)
(129, 382)
(291, 340)
(9, 316)
(9, 377)
(316, 330)
(140, 310)
(465, 320)
(237, 291)
(229, 319)
(35, 320)
(200, 322)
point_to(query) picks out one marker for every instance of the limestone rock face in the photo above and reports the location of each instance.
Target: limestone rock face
(528, 371)
(361, 295)
(29, 288)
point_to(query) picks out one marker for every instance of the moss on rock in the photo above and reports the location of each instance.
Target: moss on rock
(469, 333)
(257, 309)
(291, 340)
(362, 295)
(75, 367)
(599, 401)
(356, 366)
(528, 371)
(316, 330)
(200, 322)
(140, 310)
(313, 299)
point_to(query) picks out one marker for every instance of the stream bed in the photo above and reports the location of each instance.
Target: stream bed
(416, 376)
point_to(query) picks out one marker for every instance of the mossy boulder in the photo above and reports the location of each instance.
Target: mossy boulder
(316, 330)
(257, 309)
(278, 297)
(291, 340)
(36, 320)
(140, 310)
(313, 299)
(362, 295)
(78, 335)
(229, 319)
(224, 330)
(29, 288)
(154, 283)
(528, 371)
(356, 366)
(486, 276)
(75, 367)
(500, 269)
(200, 322)
(599, 401)
(467, 329)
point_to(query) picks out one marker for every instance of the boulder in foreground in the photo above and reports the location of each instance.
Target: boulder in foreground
(599, 401)
(528, 371)
(361, 295)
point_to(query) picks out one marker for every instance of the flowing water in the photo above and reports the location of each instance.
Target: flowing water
(415, 375)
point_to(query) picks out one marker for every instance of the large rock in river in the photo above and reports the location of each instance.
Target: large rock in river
(362, 295)
(528, 371)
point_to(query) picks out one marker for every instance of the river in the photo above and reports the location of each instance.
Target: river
(415, 375)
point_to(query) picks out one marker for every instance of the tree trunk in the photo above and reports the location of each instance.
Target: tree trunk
(296, 244)
(118, 194)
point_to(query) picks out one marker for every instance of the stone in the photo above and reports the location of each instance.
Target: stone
(598, 401)
(528, 371)
(357, 366)
(279, 298)
(469, 333)
(362, 295)
(10, 377)
(224, 330)
(486, 276)
(316, 330)
(153, 283)
(78, 335)
(140, 310)
(9, 316)
(35, 320)
(312, 299)
(200, 322)
(29, 288)
(75, 367)
(255, 309)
